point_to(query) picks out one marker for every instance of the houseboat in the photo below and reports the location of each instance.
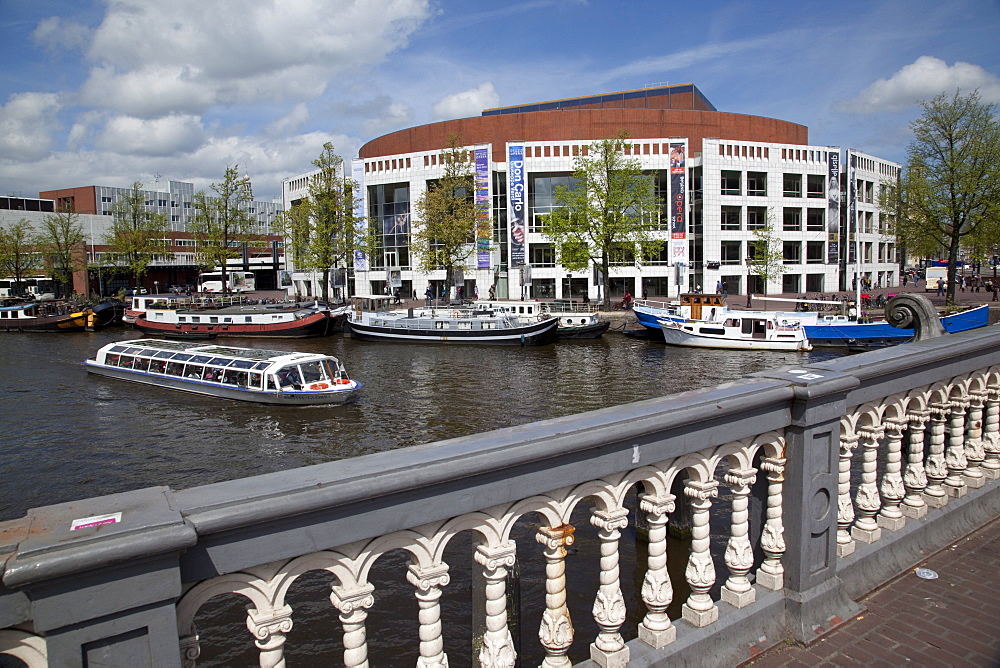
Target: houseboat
(48, 317)
(244, 320)
(576, 320)
(736, 332)
(243, 374)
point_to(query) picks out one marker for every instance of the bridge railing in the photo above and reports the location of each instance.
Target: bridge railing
(789, 494)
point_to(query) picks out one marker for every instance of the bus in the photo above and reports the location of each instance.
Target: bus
(38, 287)
(238, 281)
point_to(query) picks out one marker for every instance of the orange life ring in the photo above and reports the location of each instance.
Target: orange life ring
(318, 386)
(456, 314)
(342, 381)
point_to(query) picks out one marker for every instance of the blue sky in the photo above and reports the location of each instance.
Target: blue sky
(109, 92)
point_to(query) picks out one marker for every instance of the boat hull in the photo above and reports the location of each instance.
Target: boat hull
(675, 336)
(534, 334)
(69, 322)
(594, 331)
(316, 324)
(204, 388)
(864, 336)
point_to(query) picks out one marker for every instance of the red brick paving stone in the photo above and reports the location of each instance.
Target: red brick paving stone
(945, 622)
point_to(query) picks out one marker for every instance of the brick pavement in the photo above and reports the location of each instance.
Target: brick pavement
(950, 621)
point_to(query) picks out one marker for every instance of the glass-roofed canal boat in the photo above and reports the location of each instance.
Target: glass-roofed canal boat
(244, 374)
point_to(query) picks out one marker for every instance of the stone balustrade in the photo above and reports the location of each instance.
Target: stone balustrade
(797, 491)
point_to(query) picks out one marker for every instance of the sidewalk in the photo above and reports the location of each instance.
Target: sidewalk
(948, 621)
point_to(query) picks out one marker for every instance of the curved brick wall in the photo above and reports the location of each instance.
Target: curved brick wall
(588, 125)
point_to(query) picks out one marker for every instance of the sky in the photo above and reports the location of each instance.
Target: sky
(108, 92)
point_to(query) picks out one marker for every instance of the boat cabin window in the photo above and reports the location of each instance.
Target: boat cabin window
(155, 366)
(174, 369)
(140, 364)
(253, 381)
(442, 325)
(248, 318)
(289, 377)
(193, 371)
(313, 372)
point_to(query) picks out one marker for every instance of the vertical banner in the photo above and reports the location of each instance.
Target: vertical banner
(484, 231)
(678, 206)
(361, 221)
(833, 208)
(516, 202)
(852, 213)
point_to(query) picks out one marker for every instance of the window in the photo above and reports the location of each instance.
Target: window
(542, 196)
(791, 252)
(816, 186)
(731, 182)
(869, 191)
(793, 185)
(731, 218)
(730, 252)
(815, 252)
(541, 255)
(757, 184)
(815, 220)
(756, 217)
(792, 220)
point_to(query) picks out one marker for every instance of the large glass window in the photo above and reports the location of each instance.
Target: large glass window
(816, 186)
(730, 252)
(756, 217)
(793, 185)
(500, 230)
(815, 252)
(541, 255)
(791, 252)
(757, 184)
(792, 219)
(731, 218)
(389, 208)
(542, 196)
(815, 220)
(731, 182)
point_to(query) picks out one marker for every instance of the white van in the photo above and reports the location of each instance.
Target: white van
(933, 274)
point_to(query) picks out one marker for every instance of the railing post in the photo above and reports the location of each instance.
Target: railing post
(556, 630)
(105, 595)
(353, 604)
(975, 452)
(814, 595)
(497, 650)
(935, 495)
(771, 574)
(991, 434)
(867, 500)
(890, 516)
(699, 609)
(738, 592)
(428, 582)
(269, 629)
(845, 504)
(609, 607)
(954, 482)
(657, 591)
(914, 476)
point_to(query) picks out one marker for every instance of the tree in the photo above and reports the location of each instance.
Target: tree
(765, 256)
(949, 194)
(323, 229)
(136, 233)
(448, 214)
(610, 208)
(62, 242)
(19, 256)
(222, 223)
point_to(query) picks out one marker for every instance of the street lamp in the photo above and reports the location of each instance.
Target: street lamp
(156, 287)
(748, 281)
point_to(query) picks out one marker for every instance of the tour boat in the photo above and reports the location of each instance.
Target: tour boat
(737, 332)
(448, 325)
(244, 374)
(257, 320)
(37, 317)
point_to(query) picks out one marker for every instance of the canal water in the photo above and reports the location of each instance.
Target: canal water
(66, 435)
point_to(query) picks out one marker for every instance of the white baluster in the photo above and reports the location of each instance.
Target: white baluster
(190, 649)
(867, 499)
(914, 477)
(954, 455)
(934, 494)
(890, 516)
(498, 645)
(556, 630)
(657, 591)
(845, 506)
(738, 592)
(991, 435)
(353, 604)
(609, 649)
(428, 582)
(771, 574)
(699, 609)
(269, 629)
(975, 452)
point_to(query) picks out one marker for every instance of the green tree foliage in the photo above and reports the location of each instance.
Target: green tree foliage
(948, 197)
(322, 230)
(19, 256)
(62, 242)
(136, 234)
(766, 258)
(222, 223)
(448, 214)
(612, 207)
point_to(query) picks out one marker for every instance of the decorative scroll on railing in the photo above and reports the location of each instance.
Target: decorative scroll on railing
(774, 481)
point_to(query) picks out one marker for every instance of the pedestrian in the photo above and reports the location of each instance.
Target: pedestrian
(428, 295)
(475, 291)
(905, 278)
(444, 293)
(940, 287)
(461, 294)
(725, 288)
(395, 297)
(718, 287)
(493, 292)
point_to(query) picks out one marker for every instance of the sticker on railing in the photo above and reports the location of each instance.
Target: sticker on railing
(805, 375)
(96, 520)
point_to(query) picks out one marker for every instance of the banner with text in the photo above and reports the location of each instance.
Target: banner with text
(484, 232)
(833, 208)
(516, 202)
(678, 204)
(361, 222)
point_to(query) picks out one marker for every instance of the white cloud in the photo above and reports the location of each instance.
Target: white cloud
(467, 103)
(56, 34)
(391, 115)
(27, 125)
(290, 122)
(923, 79)
(155, 58)
(158, 137)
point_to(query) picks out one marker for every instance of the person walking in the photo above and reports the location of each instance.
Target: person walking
(428, 295)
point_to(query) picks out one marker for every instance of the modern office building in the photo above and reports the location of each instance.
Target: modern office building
(717, 175)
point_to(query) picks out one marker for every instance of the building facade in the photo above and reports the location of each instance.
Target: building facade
(718, 177)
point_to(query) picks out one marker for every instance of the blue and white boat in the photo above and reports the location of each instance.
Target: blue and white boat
(243, 374)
